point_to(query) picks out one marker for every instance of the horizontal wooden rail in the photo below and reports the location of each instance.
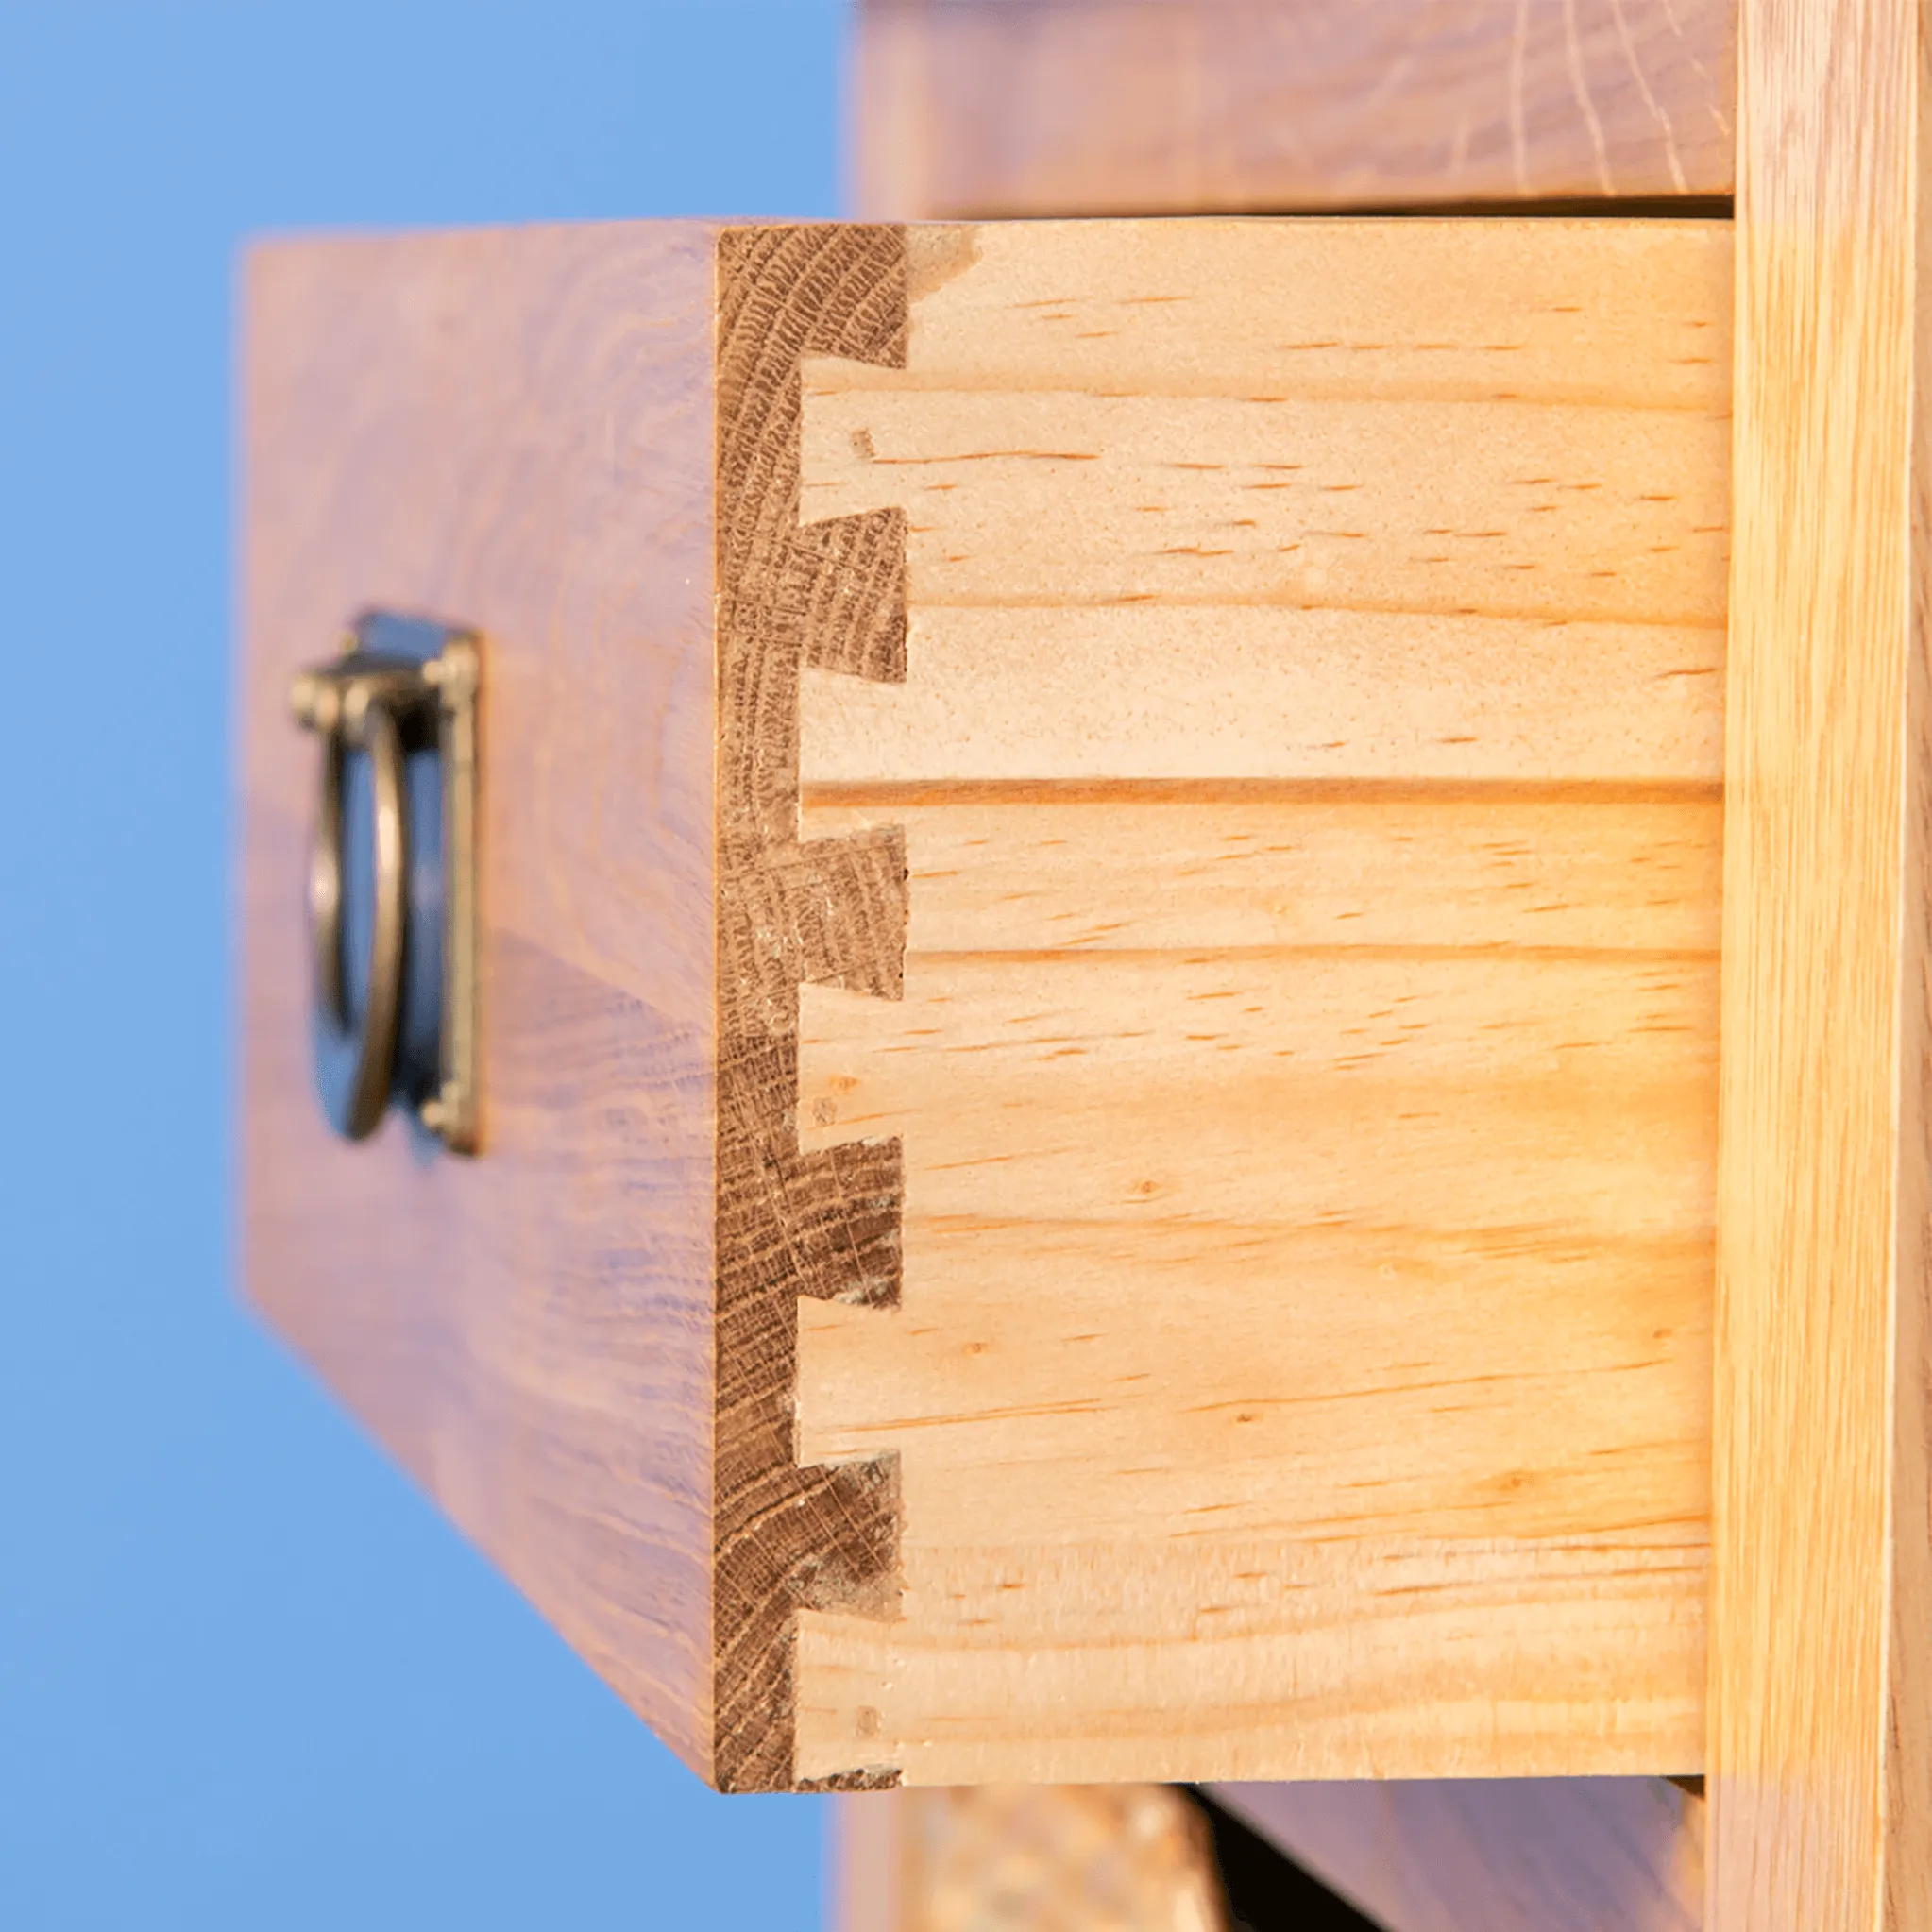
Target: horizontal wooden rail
(980, 108)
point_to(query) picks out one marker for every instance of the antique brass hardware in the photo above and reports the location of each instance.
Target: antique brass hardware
(392, 877)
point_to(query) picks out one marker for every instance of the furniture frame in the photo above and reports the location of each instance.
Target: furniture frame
(796, 1311)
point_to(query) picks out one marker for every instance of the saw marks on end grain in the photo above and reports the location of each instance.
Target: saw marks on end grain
(825, 1223)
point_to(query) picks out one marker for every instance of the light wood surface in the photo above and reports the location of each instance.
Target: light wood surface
(1424, 1856)
(865, 1862)
(1821, 1712)
(977, 108)
(793, 1226)
(1038, 1859)
(1520, 1855)
(1301, 1365)
(1062, 868)
(581, 1343)
(1100, 951)
(1564, 1854)
(482, 426)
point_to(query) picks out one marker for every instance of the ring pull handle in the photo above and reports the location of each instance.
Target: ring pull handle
(401, 702)
(355, 1052)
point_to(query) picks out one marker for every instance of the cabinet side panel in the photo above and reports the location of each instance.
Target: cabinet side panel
(512, 431)
(1820, 1749)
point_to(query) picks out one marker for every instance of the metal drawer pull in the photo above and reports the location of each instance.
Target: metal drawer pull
(392, 913)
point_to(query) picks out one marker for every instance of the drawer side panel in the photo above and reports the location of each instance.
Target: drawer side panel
(1308, 763)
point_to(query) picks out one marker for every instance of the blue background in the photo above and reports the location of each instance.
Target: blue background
(247, 1678)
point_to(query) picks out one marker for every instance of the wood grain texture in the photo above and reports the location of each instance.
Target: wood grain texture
(1052, 1858)
(1100, 968)
(1062, 868)
(511, 430)
(984, 108)
(1438, 500)
(1522, 1855)
(1303, 1074)
(582, 1342)
(817, 1224)
(1820, 1739)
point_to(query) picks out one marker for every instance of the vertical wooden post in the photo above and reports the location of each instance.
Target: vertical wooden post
(1820, 1734)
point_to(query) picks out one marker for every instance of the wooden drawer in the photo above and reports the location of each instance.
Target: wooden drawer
(1101, 851)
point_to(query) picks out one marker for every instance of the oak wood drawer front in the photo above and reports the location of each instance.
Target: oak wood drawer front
(1101, 850)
